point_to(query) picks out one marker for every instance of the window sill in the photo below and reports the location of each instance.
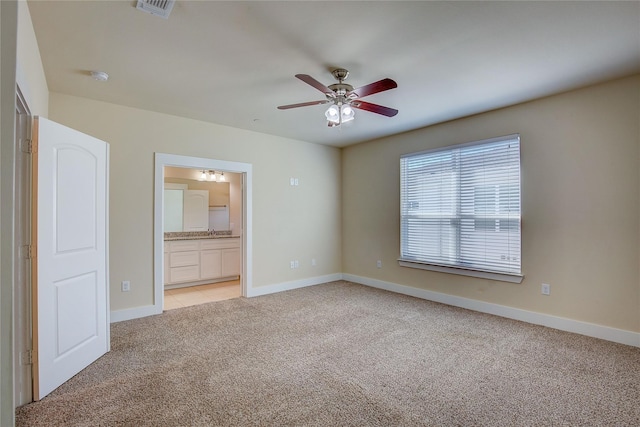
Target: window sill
(503, 277)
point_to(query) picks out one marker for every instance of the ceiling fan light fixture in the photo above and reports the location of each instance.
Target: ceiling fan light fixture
(347, 114)
(333, 114)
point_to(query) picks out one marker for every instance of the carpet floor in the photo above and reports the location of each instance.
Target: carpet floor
(348, 355)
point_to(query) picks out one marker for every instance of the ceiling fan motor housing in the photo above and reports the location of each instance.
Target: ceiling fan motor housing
(340, 74)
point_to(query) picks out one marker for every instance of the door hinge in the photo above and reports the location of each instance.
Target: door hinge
(29, 251)
(27, 358)
(27, 146)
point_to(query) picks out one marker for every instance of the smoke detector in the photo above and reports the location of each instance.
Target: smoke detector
(161, 8)
(101, 76)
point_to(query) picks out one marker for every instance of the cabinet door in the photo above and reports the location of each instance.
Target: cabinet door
(196, 210)
(230, 262)
(210, 264)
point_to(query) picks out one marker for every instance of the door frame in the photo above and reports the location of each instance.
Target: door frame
(22, 325)
(246, 169)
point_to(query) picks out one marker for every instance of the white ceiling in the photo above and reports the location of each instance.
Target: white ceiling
(234, 62)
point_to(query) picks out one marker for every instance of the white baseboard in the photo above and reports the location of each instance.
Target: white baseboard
(150, 310)
(584, 328)
(589, 329)
(134, 313)
(295, 284)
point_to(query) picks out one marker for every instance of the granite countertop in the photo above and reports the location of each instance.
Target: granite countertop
(198, 235)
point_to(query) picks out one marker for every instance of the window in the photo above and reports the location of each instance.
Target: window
(460, 209)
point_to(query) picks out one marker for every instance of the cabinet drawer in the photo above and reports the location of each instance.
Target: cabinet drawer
(181, 259)
(219, 243)
(185, 245)
(184, 274)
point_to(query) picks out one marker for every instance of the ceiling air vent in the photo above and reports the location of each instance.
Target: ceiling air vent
(161, 8)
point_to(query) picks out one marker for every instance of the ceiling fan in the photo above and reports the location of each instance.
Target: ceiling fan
(344, 98)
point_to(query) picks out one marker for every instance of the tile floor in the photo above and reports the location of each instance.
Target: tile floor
(185, 297)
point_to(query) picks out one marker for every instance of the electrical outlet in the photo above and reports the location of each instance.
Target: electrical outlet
(296, 264)
(379, 264)
(546, 289)
(126, 286)
(292, 264)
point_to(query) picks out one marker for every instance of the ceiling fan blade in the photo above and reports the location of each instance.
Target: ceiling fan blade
(370, 89)
(313, 82)
(374, 108)
(302, 104)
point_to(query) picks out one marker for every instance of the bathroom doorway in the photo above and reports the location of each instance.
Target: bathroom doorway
(225, 270)
(202, 229)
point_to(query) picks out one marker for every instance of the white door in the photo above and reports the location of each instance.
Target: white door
(71, 322)
(196, 210)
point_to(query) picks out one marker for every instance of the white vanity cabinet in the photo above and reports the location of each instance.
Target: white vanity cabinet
(201, 261)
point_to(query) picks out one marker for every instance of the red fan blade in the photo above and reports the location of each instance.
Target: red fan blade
(374, 108)
(302, 104)
(370, 89)
(313, 82)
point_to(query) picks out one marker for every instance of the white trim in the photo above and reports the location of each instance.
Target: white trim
(569, 325)
(246, 169)
(294, 284)
(465, 145)
(106, 243)
(150, 310)
(134, 313)
(503, 277)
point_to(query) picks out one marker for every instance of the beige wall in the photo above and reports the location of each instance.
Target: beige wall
(8, 36)
(289, 223)
(29, 71)
(580, 205)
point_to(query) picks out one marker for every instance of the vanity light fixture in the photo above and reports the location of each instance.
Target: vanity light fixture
(212, 175)
(203, 176)
(222, 178)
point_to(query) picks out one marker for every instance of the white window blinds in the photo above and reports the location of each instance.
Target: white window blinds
(460, 206)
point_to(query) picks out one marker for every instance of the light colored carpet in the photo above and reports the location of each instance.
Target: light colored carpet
(344, 354)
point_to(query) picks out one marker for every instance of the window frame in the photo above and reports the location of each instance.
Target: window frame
(513, 277)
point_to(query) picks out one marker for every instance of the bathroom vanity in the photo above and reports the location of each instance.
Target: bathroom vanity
(195, 258)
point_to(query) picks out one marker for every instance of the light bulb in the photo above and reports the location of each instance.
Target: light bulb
(222, 178)
(347, 113)
(212, 175)
(333, 114)
(203, 176)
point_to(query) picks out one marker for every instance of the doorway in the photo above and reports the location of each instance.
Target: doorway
(244, 229)
(211, 272)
